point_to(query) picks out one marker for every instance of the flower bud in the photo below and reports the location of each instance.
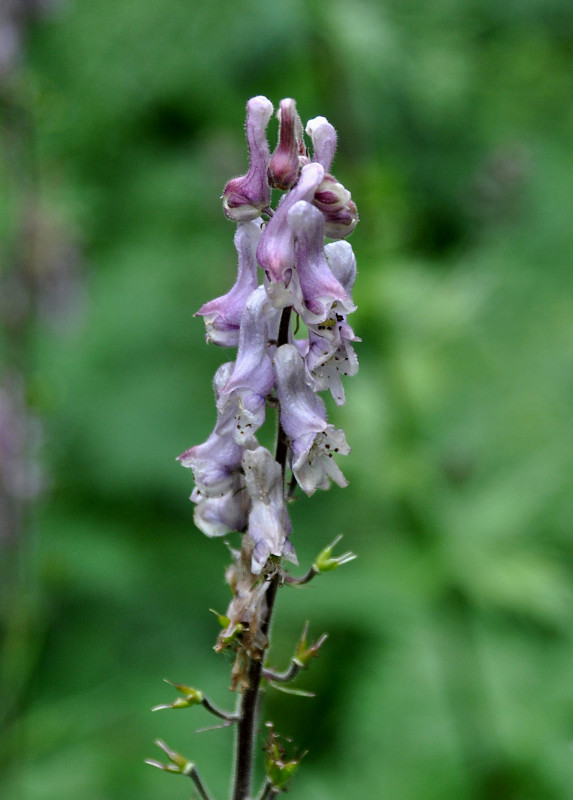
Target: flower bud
(284, 166)
(335, 202)
(340, 224)
(323, 138)
(245, 197)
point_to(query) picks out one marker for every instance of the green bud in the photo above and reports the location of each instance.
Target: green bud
(325, 562)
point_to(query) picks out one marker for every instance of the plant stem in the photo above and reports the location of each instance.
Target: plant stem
(250, 701)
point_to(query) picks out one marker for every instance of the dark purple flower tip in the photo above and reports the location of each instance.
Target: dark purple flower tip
(223, 315)
(323, 138)
(275, 252)
(284, 167)
(246, 196)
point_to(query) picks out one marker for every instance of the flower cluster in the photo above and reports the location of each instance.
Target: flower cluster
(239, 485)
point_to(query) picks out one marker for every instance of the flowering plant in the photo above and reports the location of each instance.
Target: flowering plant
(240, 485)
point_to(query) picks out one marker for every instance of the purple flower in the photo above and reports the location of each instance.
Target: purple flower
(323, 138)
(223, 315)
(275, 252)
(321, 291)
(213, 463)
(269, 523)
(284, 166)
(303, 418)
(335, 202)
(242, 399)
(216, 461)
(245, 197)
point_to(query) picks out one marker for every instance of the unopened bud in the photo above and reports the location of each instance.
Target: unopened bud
(284, 166)
(325, 561)
(323, 138)
(245, 197)
(335, 202)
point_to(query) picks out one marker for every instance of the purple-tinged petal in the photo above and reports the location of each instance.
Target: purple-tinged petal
(242, 400)
(323, 138)
(223, 315)
(245, 197)
(303, 418)
(275, 252)
(269, 524)
(216, 516)
(213, 463)
(335, 202)
(331, 196)
(284, 167)
(320, 290)
(339, 224)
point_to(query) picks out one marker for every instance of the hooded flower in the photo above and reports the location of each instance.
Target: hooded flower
(245, 197)
(284, 166)
(275, 252)
(269, 523)
(303, 418)
(323, 137)
(242, 399)
(223, 315)
(321, 291)
(216, 461)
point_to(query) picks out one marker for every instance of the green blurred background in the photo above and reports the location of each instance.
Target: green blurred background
(449, 668)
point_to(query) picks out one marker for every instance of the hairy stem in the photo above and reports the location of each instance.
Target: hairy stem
(250, 700)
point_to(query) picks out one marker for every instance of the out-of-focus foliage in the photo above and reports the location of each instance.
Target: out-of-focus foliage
(448, 670)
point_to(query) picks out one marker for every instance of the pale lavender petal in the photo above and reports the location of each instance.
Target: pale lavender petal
(242, 400)
(303, 418)
(284, 166)
(323, 138)
(213, 463)
(223, 315)
(342, 262)
(269, 524)
(327, 362)
(216, 516)
(320, 289)
(275, 252)
(245, 197)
